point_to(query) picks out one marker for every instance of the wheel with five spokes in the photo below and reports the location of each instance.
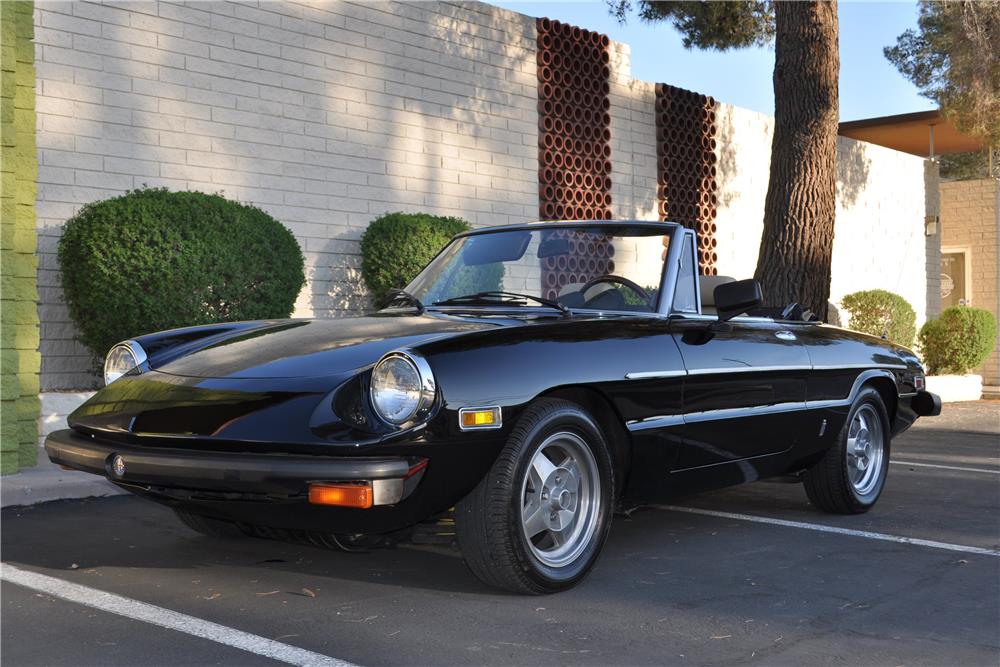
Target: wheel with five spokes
(538, 520)
(850, 477)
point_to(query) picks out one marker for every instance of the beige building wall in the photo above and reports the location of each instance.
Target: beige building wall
(970, 221)
(882, 203)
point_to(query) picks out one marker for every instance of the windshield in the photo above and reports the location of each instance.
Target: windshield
(612, 268)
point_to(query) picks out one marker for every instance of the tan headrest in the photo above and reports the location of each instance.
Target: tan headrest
(708, 285)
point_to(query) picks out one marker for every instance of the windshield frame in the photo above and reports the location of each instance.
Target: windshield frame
(668, 277)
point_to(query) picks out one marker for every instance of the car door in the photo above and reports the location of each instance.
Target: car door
(744, 392)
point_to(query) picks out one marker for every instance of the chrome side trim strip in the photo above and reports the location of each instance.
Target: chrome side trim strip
(642, 375)
(746, 369)
(832, 403)
(772, 369)
(666, 421)
(736, 413)
(663, 421)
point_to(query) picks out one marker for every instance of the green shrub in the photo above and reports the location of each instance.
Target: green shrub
(959, 340)
(878, 312)
(396, 246)
(152, 260)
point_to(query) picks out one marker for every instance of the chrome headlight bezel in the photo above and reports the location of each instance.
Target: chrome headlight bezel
(122, 359)
(426, 388)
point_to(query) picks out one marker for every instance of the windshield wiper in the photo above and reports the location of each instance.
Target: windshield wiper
(497, 296)
(402, 295)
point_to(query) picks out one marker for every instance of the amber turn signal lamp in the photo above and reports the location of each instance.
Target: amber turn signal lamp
(473, 418)
(358, 496)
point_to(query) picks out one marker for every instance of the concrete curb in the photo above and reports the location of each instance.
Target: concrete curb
(47, 481)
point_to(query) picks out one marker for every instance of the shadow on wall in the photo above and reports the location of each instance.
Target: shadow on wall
(421, 139)
(728, 165)
(852, 171)
(347, 292)
(833, 315)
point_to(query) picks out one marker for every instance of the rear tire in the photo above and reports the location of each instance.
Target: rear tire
(538, 521)
(216, 528)
(851, 475)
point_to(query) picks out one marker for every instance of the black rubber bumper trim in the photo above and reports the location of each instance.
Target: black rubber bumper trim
(186, 469)
(926, 404)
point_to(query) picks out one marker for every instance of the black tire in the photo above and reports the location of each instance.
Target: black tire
(489, 520)
(828, 482)
(216, 528)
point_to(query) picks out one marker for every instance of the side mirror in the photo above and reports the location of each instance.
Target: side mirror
(736, 298)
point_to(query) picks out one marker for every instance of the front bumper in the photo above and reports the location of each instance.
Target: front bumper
(257, 474)
(926, 404)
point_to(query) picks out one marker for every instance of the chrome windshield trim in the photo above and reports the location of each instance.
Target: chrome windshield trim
(551, 224)
(508, 308)
(840, 367)
(670, 269)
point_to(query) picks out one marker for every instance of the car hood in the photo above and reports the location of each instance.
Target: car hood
(310, 348)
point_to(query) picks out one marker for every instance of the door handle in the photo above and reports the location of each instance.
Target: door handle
(785, 335)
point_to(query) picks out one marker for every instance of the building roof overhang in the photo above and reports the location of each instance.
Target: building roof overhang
(924, 133)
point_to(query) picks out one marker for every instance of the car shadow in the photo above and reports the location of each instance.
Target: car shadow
(131, 532)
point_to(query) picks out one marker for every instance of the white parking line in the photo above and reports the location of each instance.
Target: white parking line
(165, 618)
(944, 467)
(899, 539)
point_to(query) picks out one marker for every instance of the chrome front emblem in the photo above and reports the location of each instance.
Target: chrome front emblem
(118, 465)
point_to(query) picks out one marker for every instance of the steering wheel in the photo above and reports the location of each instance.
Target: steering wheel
(611, 278)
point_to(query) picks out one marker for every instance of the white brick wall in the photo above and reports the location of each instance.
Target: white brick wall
(327, 114)
(633, 140)
(881, 204)
(324, 114)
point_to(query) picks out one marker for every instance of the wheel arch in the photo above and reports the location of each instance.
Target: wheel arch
(608, 419)
(886, 388)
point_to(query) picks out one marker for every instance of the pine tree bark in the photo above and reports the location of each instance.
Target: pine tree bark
(796, 247)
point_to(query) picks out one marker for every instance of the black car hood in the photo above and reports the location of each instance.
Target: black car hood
(311, 348)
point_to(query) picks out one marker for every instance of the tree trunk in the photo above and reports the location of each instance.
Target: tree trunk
(796, 247)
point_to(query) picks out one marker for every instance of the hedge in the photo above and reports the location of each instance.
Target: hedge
(959, 340)
(396, 246)
(153, 259)
(877, 312)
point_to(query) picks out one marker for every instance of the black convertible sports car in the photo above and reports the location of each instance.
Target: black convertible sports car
(531, 377)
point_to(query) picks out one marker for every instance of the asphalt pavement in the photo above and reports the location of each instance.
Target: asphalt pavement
(754, 575)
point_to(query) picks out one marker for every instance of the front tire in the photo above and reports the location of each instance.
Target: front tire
(538, 521)
(851, 475)
(217, 528)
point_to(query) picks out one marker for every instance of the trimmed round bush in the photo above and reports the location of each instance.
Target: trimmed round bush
(152, 260)
(878, 312)
(396, 246)
(959, 340)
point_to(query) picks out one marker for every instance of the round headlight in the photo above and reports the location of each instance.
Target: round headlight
(402, 385)
(123, 358)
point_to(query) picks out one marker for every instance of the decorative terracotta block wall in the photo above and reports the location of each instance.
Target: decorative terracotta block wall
(574, 138)
(686, 166)
(574, 148)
